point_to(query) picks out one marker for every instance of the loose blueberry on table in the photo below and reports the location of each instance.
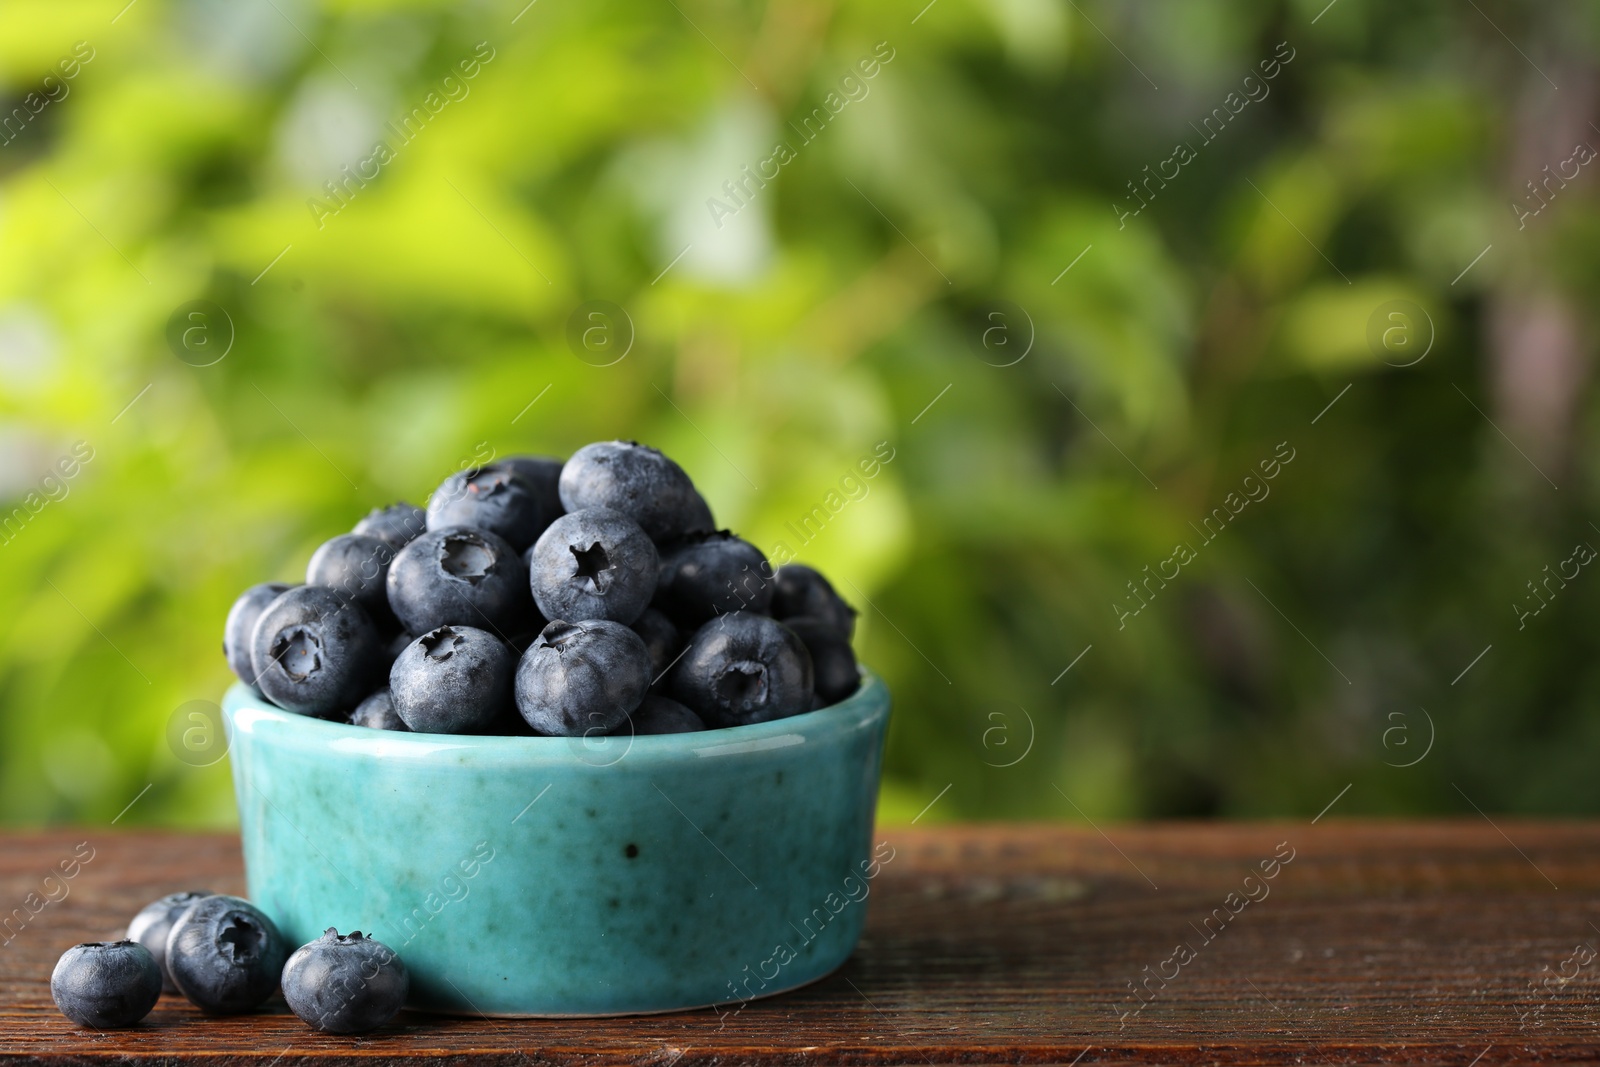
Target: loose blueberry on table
(345, 984)
(106, 984)
(154, 922)
(228, 958)
(538, 594)
(225, 955)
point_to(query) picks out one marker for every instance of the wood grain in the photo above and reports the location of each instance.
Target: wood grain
(1378, 942)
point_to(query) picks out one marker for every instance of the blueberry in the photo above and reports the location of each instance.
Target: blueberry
(225, 955)
(242, 623)
(377, 712)
(494, 498)
(593, 564)
(712, 574)
(459, 576)
(345, 985)
(833, 664)
(661, 639)
(452, 680)
(396, 525)
(315, 652)
(661, 715)
(744, 668)
(802, 591)
(543, 475)
(154, 922)
(356, 567)
(106, 984)
(581, 678)
(638, 481)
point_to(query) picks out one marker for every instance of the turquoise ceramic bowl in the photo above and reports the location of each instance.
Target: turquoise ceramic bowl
(568, 876)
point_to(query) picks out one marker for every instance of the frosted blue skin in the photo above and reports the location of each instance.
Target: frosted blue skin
(315, 652)
(743, 668)
(707, 575)
(494, 498)
(396, 525)
(570, 876)
(241, 624)
(582, 678)
(225, 955)
(453, 680)
(345, 984)
(106, 985)
(154, 922)
(638, 481)
(593, 564)
(459, 576)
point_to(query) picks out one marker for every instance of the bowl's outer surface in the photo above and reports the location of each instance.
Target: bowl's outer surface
(556, 876)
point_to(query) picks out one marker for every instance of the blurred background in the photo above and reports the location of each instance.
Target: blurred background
(1228, 363)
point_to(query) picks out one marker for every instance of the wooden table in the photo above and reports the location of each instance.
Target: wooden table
(1376, 942)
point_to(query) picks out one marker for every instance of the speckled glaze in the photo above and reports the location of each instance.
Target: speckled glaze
(556, 876)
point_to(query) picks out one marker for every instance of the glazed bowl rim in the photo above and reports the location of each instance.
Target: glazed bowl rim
(244, 708)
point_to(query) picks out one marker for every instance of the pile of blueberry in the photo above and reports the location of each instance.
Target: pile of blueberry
(589, 597)
(226, 957)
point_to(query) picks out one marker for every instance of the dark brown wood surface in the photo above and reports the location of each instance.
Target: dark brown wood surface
(1459, 942)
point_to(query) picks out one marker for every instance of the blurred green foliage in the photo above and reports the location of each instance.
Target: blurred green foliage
(945, 260)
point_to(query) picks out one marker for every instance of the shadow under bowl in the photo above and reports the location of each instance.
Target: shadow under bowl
(548, 876)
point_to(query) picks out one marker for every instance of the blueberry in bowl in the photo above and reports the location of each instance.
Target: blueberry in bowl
(802, 592)
(458, 575)
(581, 678)
(661, 715)
(638, 481)
(496, 498)
(452, 680)
(315, 651)
(593, 564)
(241, 625)
(706, 575)
(663, 640)
(355, 566)
(377, 712)
(396, 525)
(834, 672)
(744, 668)
(542, 475)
